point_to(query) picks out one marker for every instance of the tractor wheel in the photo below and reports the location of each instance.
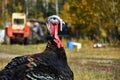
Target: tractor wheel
(26, 42)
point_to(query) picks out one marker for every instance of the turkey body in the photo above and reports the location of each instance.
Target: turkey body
(48, 65)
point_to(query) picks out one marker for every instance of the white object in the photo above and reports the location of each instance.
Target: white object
(78, 45)
(2, 35)
(98, 45)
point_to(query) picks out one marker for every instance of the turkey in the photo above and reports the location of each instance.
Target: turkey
(51, 64)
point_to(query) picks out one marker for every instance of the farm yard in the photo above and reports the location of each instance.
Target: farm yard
(89, 22)
(87, 63)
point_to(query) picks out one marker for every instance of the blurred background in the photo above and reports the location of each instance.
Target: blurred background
(94, 20)
(93, 27)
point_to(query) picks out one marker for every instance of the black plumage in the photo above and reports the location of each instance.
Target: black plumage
(51, 64)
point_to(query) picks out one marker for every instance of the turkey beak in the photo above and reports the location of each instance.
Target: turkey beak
(54, 29)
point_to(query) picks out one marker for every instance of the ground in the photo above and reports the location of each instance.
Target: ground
(87, 63)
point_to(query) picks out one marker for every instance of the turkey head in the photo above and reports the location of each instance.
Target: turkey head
(54, 25)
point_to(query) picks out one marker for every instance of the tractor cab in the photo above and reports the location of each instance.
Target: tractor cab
(18, 21)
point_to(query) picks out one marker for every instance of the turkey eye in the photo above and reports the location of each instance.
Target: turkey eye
(54, 18)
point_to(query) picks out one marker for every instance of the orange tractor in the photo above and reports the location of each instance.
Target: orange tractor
(18, 31)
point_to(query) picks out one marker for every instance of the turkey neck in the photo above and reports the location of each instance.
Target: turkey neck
(53, 49)
(55, 45)
(54, 32)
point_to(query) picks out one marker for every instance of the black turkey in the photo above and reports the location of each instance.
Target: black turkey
(51, 64)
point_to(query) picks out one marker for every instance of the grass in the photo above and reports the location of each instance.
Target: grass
(86, 64)
(21, 49)
(85, 74)
(103, 53)
(3, 62)
(95, 63)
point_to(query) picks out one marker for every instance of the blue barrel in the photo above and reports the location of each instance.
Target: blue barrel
(70, 45)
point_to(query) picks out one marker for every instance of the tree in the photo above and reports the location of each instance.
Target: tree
(93, 17)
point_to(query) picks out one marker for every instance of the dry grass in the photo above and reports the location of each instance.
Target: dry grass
(87, 63)
(21, 49)
(103, 53)
(95, 63)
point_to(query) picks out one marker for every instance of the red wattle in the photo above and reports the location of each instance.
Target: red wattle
(54, 32)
